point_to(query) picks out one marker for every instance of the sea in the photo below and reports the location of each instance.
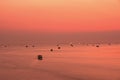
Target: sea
(76, 62)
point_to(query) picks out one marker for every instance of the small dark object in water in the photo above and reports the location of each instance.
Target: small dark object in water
(97, 46)
(57, 44)
(71, 45)
(51, 50)
(5, 45)
(40, 57)
(33, 46)
(59, 47)
(26, 46)
(109, 44)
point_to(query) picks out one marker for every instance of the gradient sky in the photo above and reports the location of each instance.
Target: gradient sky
(59, 15)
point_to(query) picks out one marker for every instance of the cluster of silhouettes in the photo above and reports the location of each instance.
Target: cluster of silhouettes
(40, 57)
(4, 45)
(29, 46)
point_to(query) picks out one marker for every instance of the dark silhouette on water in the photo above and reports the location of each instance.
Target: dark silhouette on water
(26, 46)
(33, 46)
(59, 47)
(71, 45)
(51, 50)
(97, 46)
(40, 57)
(57, 44)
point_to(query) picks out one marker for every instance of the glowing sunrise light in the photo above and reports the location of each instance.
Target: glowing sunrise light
(60, 15)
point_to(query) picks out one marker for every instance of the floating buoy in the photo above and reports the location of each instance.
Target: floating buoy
(33, 46)
(97, 46)
(71, 45)
(40, 57)
(51, 50)
(26, 46)
(59, 47)
(57, 44)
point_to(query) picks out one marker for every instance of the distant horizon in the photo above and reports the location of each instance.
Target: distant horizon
(88, 37)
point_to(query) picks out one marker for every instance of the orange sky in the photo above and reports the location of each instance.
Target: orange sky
(59, 15)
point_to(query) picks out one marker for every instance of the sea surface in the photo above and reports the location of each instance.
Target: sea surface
(80, 62)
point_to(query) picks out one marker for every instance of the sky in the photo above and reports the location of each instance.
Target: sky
(59, 16)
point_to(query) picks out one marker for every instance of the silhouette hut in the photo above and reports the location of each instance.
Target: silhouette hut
(40, 57)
